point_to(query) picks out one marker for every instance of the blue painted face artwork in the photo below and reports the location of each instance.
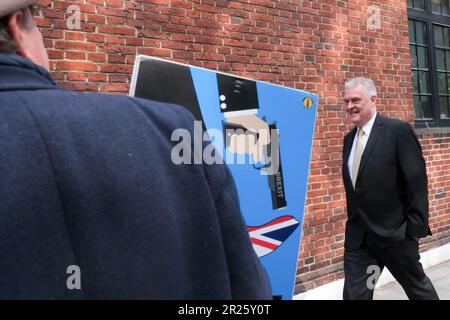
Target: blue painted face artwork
(264, 133)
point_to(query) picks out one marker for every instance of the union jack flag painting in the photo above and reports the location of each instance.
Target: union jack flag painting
(270, 236)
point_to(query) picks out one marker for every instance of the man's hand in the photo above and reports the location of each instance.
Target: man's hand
(254, 143)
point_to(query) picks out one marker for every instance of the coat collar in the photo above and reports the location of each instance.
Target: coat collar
(18, 73)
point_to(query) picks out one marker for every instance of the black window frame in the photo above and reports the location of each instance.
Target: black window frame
(430, 19)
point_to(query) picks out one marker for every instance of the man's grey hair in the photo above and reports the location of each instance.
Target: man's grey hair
(7, 43)
(367, 83)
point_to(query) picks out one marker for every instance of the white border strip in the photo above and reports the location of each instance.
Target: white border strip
(142, 57)
(134, 76)
(333, 290)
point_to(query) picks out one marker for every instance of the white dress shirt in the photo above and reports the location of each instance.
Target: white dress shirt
(367, 128)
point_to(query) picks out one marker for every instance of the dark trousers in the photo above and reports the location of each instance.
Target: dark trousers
(401, 259)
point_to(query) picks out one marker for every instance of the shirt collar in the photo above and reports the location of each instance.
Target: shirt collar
(367, 128)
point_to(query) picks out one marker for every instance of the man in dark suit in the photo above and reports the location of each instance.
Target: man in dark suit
(91, 205)
(387, 198)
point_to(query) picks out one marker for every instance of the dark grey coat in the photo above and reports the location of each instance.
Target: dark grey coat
(87, 180)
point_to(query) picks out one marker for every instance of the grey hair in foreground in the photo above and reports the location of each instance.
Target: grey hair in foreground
(367, 83)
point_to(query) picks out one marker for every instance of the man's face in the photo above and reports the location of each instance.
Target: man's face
(360, 106)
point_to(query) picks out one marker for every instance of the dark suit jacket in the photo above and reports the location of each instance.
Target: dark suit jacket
(87, 180)
(390, 199)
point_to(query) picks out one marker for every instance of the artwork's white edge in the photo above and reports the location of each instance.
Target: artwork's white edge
(304, 198)
(134, 75)
(140, 57)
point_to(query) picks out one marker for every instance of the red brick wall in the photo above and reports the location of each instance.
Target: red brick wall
(436, 149)
(310, 45)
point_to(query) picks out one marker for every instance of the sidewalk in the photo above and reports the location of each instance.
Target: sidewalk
(439, 275)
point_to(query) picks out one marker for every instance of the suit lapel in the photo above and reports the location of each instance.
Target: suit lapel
(374, 134)
(347, 149)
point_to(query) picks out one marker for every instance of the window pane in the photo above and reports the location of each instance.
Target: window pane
(425, 104)
(422, 57)
(410, 3)
(412, 32)
(424, 82)
(438, 36)
(419, 4)
(436, 6)
(440, 60)
(417, 109)
(442, 83)
(448, 60)
(421, 32)
(443, 106)
(416, 81)
(448, 83)
(446, 37)
(445, 7)
(413, 56)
